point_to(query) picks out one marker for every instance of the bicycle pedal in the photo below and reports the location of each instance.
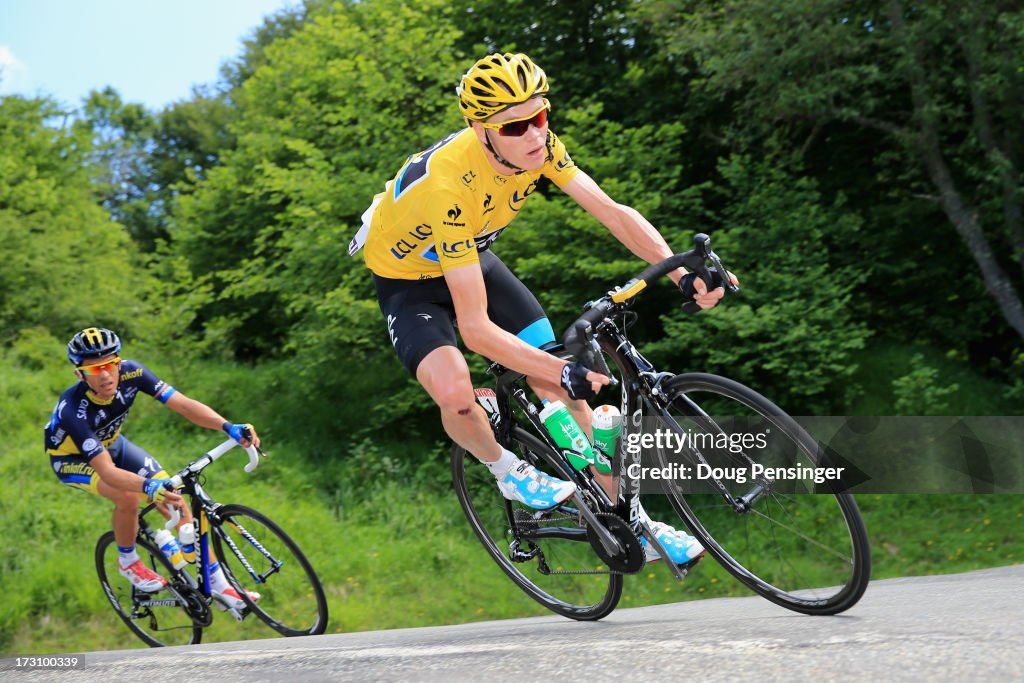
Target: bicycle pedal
(685, 568)
(238, 614)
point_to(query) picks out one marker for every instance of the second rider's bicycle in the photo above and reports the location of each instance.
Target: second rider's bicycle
(254, 552)
(723, 455)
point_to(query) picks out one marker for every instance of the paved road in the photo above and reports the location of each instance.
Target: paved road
(963, 627)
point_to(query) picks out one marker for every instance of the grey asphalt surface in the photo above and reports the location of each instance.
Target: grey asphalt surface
(962, 627)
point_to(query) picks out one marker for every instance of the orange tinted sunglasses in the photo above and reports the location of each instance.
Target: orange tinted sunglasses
(517, 128)
(111, 366)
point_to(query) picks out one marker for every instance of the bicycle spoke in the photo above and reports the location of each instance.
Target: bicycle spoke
(158, 619)
(803, 549)
(258, 556)
(546, 554)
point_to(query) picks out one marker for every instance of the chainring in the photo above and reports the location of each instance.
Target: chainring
(196, 605)
(632, 558)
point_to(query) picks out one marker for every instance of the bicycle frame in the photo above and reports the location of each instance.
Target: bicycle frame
(627, 505)
(836, 578)
(201, 506)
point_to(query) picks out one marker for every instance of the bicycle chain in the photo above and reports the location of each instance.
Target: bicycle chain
(531, 521)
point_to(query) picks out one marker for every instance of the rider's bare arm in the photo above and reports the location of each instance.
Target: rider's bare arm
(625, 222)
(634, 231)
(200, 414)
(115, 476)
(123, 480)
(484, 337)
(487, 339)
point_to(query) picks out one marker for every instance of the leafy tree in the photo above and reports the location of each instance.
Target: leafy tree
(327, 116)
(920, 392)
(596, 52)
(934, 79)
(66, 264)
(789, 333)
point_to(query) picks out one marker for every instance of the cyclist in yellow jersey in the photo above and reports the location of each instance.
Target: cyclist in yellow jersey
(427, 240)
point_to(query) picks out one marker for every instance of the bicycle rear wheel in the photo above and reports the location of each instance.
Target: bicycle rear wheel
(159, 619)
(801, 545)
(545, 553)
(258, 555)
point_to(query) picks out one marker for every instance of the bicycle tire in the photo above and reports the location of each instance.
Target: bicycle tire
(167, 619)
(292, 600)
(583, 596)
(806, 551)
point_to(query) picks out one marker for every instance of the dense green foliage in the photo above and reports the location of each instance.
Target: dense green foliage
(858, 166)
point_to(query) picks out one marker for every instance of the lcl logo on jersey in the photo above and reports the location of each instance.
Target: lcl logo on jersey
(456, 249)
(468, 179)
(515, 202)
(407, 245)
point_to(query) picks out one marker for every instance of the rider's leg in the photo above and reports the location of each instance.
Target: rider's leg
(125, 520)
(549, 391)
(445, 376)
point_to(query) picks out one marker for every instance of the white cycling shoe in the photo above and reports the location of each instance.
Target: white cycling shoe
(142, 577)
(230, 599)
(528, 486)
(680, 546)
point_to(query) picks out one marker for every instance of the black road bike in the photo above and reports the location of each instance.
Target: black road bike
(724, 454)
(254, 552)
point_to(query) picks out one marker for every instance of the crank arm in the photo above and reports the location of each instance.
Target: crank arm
(673, 567)
(608, 541)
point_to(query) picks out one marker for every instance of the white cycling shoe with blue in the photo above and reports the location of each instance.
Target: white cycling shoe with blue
(528, 486)
(680, 546)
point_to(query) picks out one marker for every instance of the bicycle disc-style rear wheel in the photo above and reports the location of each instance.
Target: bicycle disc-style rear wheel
(257, 555)
(159, 619)
(801, 544)
(545, 553)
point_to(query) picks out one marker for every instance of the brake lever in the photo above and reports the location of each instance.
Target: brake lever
(600, 365)
(726, 280)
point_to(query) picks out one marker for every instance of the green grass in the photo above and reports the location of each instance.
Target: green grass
(378, 520)
(886, 360)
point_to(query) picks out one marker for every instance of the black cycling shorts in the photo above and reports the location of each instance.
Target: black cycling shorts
(420, 315)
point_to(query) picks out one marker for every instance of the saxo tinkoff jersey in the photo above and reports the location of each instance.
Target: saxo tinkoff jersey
(84, 424)
(448, 203)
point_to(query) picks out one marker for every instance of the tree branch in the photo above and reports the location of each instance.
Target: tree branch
(963, 218)
(972, 45)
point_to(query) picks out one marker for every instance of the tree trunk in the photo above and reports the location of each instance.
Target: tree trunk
(966, 223)
(963, 218)
(972, 46)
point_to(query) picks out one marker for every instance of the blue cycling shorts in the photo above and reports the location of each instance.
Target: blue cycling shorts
(75, 470)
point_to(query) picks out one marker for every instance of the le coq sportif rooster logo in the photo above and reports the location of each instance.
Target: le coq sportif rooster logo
(454, 213)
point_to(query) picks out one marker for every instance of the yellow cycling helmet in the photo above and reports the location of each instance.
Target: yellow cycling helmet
(497, 82)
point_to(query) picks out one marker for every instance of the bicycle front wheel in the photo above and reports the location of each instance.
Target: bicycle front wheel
(545, 553)
(257, 555)
(158, 619)
(802, 545)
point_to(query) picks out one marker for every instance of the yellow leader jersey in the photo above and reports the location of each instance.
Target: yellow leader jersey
(448, 203)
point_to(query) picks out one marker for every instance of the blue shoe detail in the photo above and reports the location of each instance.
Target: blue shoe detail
(680, 546)
(528, 486)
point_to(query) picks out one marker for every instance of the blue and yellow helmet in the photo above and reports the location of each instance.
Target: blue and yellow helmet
(92, 343)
